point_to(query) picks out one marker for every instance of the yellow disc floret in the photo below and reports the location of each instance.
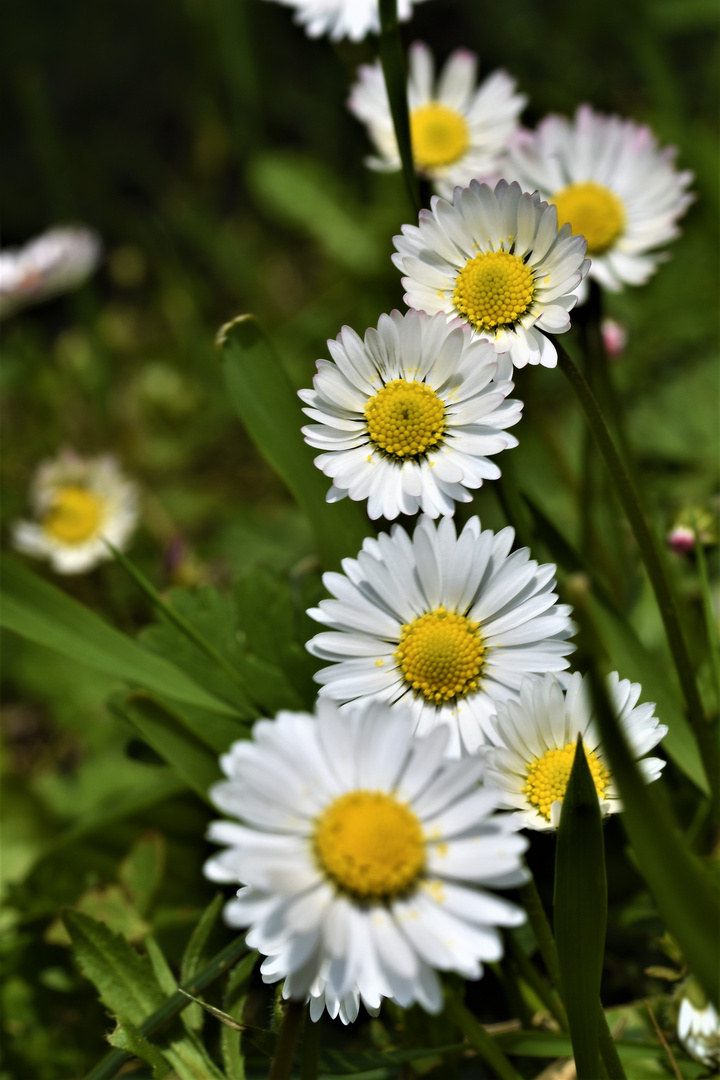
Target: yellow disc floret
(441, 655)
(405, 418)
(75, 515)
(370, 844)
(593, 211)
(439, 135)
(493, 289)
(547, 777)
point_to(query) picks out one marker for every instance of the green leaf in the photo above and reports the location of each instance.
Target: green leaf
(194, 950)
(581, 912)
(190, 759)
(683, 891)
(234, 1000)
(142, 870)
(124, 979)
(127, 1037)
(43, 614)
(270, 410)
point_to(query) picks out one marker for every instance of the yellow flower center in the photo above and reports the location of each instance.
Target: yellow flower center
(547, 777)
(441, 655)
(405, 418)
(493, 289)
(74, 516)
(439, 135)
(371, 845)
(593, 211)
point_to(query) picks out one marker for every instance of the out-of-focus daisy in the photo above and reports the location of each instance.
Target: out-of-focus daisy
(612, 183)
(79, 503)
(408, 416)
(694, 521)
(458, 129)
(446, 624)
(698, 1025)
(495, 258)
(532, 747)
(365, 857)
(614, 337)
(353, 19)
(55, 262)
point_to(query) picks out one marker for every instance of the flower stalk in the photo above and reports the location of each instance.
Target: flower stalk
(393, 65)
(287, 1037)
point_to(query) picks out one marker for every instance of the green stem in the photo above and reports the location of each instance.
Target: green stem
(310, 1049)
(651, 557)
(512, 503)
(478, 1037)
(608, 1050)
(393, 66)
(219, 965)
(533, 978)
(710, 619)
(287, 1037)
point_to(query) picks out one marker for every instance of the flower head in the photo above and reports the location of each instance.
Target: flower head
(443, 623)
(365, 857)
(79, 503)
(458, 129)
(698, 1025)
(353, 19)
(612, 183)
(532, 746)
(495, 259)
(55, 262)
(408, 416)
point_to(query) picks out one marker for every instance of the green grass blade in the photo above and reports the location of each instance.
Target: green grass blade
(393, 65)
(38, 611)
(581, 912)
(270, 410)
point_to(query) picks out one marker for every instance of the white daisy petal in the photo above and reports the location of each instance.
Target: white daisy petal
(353, 19)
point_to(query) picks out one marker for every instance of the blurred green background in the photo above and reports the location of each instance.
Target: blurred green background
(208, 143)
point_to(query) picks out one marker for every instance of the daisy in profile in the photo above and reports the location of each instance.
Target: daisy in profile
(495, 259)
(458, 129)
(612, 183)
(445, 624)
(408, 417)
(366, 858)
(532, 747)
(698, 1025)
(55, 262)
(78, 503)
(353, 19)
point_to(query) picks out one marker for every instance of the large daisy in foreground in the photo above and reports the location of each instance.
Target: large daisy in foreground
(446, 624)
(408, 417)
(495, 258)
(79, 503)
(533, 745)
(366, 858)
(353, 19)
(458, 129)
(612, 183)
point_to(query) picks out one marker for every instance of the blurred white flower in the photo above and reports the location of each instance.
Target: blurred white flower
(55, 262)
(610, 180)
(698, 1026)
(458, 129)
(531, 745)
(369, 860)
(79, 503)
(353, 19)
(614, 336)
(408, 416)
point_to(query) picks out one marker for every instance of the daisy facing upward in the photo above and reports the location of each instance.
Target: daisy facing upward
(458, 129)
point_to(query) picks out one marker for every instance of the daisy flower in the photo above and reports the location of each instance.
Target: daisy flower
(353, 19)
(446, 624)
(495, 258)
(532, 747)
(365, 856)
(408, 416)
(55, 262)
(458, 129)
(612, 183)
(79, 503)
(698, 1026)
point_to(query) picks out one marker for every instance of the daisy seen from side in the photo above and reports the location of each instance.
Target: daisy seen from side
(408, 416)
(458, 128)
(56, 262)
(78, 503)
(366, 858)
(496, 259)
(612, 183)
(445, 624)
(353, 19)
(698, 1024)
(531, 748)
